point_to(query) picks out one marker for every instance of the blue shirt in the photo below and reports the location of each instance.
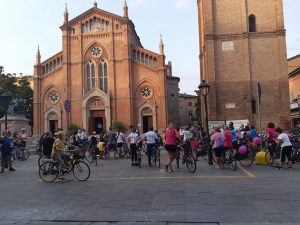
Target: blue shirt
(7, 147)
(234, 139)
(253, 133)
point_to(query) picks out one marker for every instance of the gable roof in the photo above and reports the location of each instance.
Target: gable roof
(94, 9)
(294, 57)
(294, 73)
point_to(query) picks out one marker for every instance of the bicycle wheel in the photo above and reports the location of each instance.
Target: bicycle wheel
(48, 171)
(81, 170)
(190, 162)
(233, 165)
(157, 158)
(269, 158)
(22, 154)
(40, 160)
(89, 156)
(121, 152)
(246, 159)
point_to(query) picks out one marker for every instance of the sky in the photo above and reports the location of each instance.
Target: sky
(25, 24)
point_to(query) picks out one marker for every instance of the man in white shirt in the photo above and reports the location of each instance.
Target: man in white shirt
(151, 138)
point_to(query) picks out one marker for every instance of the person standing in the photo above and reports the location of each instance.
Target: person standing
(170, 145)
(120, 140)
(286, 148)
(151, 138)
(271, 136)
(112, 141)
(133, 140)
(217, 143)
(47, 144)
(6, 150)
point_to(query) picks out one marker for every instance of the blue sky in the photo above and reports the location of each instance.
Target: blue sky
(25, 24)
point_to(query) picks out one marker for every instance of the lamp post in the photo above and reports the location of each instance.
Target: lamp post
(297, 100)
(5, 99)
(204, 90)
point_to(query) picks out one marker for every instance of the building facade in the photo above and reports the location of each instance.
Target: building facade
(187, 109)
(243, 43)
(294, 84)
(102, 75)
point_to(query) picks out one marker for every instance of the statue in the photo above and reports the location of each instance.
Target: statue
(16, 107)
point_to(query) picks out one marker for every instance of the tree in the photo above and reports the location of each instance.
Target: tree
(7, 84)
(25, 92)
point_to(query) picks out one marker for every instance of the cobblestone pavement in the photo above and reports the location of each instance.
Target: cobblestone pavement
(120, 194)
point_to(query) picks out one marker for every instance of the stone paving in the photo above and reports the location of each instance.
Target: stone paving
(117, 193)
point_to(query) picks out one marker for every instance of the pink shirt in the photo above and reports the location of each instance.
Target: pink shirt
(218, 139)
(271, 134)
(170, 136)
(228, 139)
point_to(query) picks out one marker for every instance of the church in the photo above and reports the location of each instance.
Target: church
(103, 75)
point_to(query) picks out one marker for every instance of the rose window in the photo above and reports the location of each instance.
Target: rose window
(96, 51)
(146, 92)
(53, 97)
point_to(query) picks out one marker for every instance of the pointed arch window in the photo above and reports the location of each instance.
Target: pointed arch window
(90, 75)
(102, 76)
(252, 23)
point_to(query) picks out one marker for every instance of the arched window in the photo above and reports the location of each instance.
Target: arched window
(91, 24)
(50, 67)
(90, 75)
(102, 76)
(252, 23)
(106, 26)
(134, 55)
(151, 61)
(143, 58)
(47, 69)
(86, 26)
(54, 64)
(58, 61)
(138, 56)
(147, 59)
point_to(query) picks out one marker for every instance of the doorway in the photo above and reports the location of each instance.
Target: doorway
(97, 121)
(147, 123)
(53, 126)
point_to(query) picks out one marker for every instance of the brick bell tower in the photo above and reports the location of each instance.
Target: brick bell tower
(243, 43)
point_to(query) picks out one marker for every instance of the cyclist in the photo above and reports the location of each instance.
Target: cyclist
(112, 142)
(58, 152)
(170, 145)
(133, 140)
(22, 137)
(120, 140)
(94, 143)
(227, 139)
(286, 148)
(151, 138)
(271, 136)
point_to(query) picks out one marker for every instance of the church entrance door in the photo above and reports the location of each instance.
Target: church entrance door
(147, 123)
(53, 126)
(97, 121)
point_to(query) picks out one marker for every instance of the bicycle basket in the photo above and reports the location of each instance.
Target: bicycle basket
(78, 154)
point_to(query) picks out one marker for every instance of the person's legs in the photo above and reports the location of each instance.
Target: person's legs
(8, 159)
(60, 166)
(132, 150)
(289, 155)
(149, 153)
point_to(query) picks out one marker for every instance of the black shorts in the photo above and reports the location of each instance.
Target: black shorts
(235, 145)
(219, 151)
(171, 148)
(286, 152)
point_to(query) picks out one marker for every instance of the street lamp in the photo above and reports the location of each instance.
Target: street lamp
(297, 100)
(5, 99)
(204, 90)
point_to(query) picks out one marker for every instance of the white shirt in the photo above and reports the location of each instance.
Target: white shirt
(120, 138)
(151, 136)
(133, 138)
(285, 141)
(186, 134)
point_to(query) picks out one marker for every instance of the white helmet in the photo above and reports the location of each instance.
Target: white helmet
(23, 129)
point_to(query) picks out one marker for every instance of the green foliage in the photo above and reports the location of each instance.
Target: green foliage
(25, 92)
(7, 84)
(296, 131)
(119, 126)
(72, 128)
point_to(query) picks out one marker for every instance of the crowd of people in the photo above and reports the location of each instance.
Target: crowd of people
(9, 142)
(221, 139)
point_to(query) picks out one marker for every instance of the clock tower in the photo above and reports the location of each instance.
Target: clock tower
(243, 43)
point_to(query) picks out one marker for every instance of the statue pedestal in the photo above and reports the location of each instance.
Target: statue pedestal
(15, 123)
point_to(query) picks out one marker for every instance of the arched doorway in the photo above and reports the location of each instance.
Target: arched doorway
(147, 116)
(52, 120)
(97, 119)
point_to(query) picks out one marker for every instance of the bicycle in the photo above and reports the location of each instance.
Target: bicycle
(123, 151)
(91, 154)
(186, 155)
(49, 169)
(202, 150)
(20, 153)
(39, 149)
(156, 155)
(227, 158)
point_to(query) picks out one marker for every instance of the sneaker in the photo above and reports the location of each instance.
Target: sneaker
(290, 168)
(11, 169)
(61, 178)
(170, 171)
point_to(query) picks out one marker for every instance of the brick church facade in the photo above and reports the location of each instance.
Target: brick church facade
(243, 43)
(102, 75)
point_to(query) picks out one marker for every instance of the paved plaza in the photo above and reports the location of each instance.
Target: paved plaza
(117, 193)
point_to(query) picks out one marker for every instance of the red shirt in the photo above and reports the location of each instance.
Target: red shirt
(170, 136)
(228, 139)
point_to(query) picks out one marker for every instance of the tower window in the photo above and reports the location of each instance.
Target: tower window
(252, 23)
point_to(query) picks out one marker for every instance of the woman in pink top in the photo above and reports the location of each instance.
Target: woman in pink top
(228, 138)
(170, 145)
(217, 142)
(271, 136)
